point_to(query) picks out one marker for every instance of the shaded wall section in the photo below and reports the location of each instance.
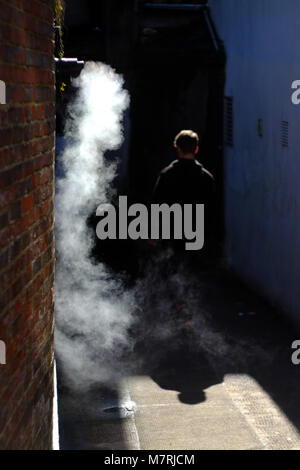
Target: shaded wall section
(26, 223)
(262, 167)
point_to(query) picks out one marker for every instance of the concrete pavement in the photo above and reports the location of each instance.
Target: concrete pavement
(232, 386)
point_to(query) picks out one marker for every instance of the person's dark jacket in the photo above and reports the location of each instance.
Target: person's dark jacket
(186, 181)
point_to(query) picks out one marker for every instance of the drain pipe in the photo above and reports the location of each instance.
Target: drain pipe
(174, 6)
(211, 30)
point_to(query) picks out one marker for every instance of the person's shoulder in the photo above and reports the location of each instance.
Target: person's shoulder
(170, 167)
(204, 171)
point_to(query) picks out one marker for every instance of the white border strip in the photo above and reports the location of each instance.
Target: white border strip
(55, 430)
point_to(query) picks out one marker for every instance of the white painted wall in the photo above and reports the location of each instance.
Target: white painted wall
(262, 179)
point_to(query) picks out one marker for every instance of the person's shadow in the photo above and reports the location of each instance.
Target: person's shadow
(187, 372)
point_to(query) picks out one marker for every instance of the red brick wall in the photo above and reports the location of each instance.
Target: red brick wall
(26, 223)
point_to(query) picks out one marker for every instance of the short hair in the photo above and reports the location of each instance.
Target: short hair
(187, 141)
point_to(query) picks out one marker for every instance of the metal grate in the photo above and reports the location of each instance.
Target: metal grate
(228, 121)
(284, 133)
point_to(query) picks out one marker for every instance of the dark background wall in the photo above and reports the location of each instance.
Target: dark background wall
(173, 68)
(26, 223)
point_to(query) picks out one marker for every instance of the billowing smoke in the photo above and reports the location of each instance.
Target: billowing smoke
(93, 312)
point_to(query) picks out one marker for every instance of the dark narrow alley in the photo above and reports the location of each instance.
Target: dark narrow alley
(149, 226)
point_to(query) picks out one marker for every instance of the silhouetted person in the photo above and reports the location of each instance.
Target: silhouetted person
(186, 181)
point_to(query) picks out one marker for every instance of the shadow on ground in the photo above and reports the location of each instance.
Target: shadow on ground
(230, 330)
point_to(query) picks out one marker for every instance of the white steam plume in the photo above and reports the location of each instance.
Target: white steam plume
(92, 310)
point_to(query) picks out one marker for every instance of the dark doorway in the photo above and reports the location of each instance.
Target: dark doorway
(178, 83)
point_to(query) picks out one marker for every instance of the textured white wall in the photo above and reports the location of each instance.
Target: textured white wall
(262, 179)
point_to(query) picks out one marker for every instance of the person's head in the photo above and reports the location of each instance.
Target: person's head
(186, 143)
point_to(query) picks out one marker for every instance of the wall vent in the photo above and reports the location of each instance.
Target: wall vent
(228, 121)
(284, 133)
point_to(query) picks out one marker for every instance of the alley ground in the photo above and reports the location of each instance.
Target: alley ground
(231, 385)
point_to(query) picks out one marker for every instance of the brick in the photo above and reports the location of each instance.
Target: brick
(36, 265)
(4, 115)
(28, 168)
(4, 237)
(6, 137)
(27, 203)
(15, 211)
(27, 128)
(15, 94)
(14, 54)
(25, 186)
(40, 10)
(4, 218)
(4, 299)
(3, 258)
(10, 176)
